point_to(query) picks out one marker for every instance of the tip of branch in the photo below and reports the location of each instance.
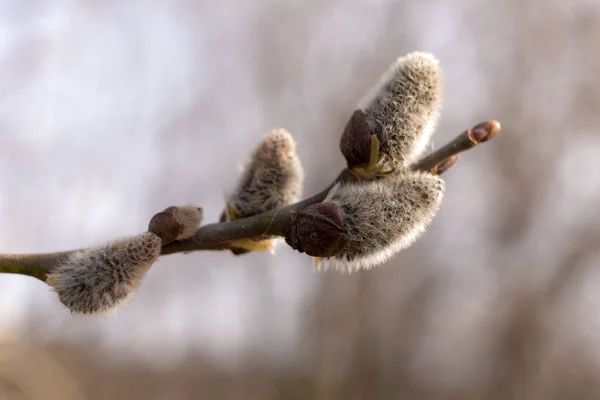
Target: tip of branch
(484, 131)
(444, 165)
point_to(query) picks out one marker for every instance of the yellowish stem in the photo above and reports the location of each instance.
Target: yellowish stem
(252, 245)
(34, 265)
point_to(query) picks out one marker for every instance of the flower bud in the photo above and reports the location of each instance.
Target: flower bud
(401, 111)
(176, 223)
(318, 230)
(98, 279)
(273, 178)
(382, 217)
(484, 131)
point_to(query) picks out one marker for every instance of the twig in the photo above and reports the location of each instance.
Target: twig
(217, 236)
(467, 140)
(35, 265)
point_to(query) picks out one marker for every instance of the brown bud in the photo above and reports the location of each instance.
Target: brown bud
(176, 223)
(355, 143)
(166, 226)
(318, 230)
(484, 131)
(444, 165)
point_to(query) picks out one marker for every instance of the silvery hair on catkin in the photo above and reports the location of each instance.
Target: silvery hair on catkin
(402, 109)
(273, 178)
(385, 216)
(98, 279)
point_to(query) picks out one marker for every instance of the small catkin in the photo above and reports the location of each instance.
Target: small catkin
(190, 217)
(273, 178)
(176, 223)
(402, 110)
(98, 279)
(383, 217)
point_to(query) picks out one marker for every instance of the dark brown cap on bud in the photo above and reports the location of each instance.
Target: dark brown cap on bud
(166, 226)
(176, 223)
(355, 143)
(318, 230)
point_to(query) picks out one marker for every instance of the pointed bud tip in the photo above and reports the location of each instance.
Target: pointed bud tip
(422, 56)
(485, 131)
(278, 143)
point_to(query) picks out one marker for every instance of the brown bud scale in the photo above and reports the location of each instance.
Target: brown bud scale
(318, 230)
(166, 226)
(355, 143)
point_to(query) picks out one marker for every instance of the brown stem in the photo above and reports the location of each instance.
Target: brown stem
(35, 265)
(467, 140)
(217, 236)
(271, 223)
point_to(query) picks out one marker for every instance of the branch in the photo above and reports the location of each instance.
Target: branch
(217, 236)
(271, 223)
(35, 265)
(467, 140)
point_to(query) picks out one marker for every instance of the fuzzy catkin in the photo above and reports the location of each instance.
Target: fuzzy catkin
(273, 178)
(402, 109)
(385, 216)
(98, 279)
(190, 218)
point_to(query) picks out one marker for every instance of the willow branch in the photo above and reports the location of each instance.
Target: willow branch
(35, 265)
(218, 236)
(465, 141)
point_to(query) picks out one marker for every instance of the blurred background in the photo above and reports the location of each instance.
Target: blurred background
(110, 111)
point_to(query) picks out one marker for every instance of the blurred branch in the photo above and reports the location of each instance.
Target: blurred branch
(218, 236)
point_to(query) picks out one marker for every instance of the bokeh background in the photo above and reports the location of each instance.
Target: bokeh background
(111, 111)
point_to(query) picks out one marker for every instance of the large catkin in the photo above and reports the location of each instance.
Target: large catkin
(385, 216)
(402, 109)
(98, 279)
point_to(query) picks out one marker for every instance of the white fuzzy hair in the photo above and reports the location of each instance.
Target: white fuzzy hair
(385, 216)
(402, 108)
(273, 178)
(98, 279)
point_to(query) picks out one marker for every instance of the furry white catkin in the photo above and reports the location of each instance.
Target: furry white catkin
(98, 279)
(385, 216)
(402, 109)
(273, 178)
